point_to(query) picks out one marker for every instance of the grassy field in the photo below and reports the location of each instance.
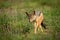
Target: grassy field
(14, 24)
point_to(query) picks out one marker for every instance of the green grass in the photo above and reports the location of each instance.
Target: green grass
(14, 24)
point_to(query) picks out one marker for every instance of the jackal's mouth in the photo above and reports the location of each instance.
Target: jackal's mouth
(32, 20)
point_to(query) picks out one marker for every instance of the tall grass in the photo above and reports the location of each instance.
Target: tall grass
(14, 24)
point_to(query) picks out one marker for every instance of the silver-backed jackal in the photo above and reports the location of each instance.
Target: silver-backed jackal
(37, 19)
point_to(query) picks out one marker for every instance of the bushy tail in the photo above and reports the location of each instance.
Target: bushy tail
(43, 25)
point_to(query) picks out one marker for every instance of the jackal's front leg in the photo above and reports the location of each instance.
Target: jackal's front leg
(35, 28)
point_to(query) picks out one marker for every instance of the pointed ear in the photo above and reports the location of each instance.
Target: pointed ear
(34, 12)
(27, 14)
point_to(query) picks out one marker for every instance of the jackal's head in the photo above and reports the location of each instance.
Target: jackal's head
(31, 16)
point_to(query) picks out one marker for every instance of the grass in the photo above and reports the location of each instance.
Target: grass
(14, 24)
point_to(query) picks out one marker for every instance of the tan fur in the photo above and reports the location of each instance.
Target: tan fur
(37, 22)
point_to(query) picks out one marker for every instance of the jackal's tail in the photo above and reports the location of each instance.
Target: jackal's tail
(43, 25)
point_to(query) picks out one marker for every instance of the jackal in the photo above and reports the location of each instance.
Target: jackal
(37, 19)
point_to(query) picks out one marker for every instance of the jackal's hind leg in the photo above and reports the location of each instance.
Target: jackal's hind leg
(38, 28)
(41, 28)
